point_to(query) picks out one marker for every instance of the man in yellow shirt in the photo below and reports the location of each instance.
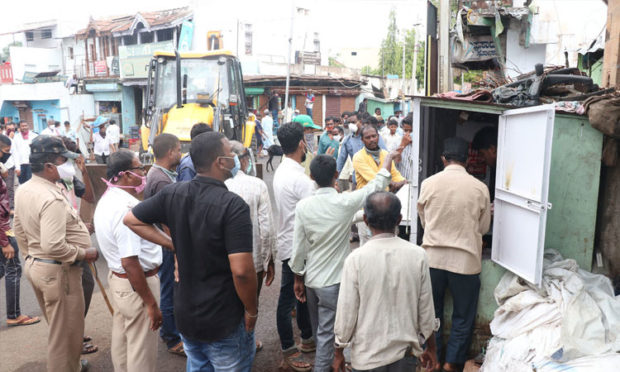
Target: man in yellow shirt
(367, 163)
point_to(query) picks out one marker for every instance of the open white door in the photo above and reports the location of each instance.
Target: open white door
(413, 183)
(521, 190)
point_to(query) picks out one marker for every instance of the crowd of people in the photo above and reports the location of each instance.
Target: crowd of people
(190, 243)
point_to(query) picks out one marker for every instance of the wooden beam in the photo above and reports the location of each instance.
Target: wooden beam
(86, 54)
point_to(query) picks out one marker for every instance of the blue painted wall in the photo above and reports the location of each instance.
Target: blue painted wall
(128, 108)
(8, 110)
(44, 111)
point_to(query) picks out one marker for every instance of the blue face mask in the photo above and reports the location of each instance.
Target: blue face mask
(248, 170)
(235, 169)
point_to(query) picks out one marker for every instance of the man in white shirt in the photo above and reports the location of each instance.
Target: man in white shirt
(290, 185)
(114, 135)
(267, 124)
(101, 145)
(385, 307)
(254, 192)
(319, 252)
(133, 263)
(21, 152)
(51, 129)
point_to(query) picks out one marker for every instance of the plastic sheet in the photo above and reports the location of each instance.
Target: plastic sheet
(572, 319)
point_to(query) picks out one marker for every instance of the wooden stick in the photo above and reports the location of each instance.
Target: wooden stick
(105, 295)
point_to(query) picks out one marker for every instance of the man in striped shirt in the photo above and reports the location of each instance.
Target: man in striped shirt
(405, 166)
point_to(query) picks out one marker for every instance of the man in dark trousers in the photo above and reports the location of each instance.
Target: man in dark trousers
(211, 232)
(167, 151)
(455, 212)
(274, 107)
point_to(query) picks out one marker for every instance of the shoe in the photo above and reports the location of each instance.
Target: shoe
(307, 346)
(84, 365)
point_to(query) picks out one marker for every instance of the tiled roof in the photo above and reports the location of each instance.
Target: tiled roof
(121, 24)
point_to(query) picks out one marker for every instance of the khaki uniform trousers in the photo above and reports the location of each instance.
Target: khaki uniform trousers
(134, 345)
(59, 291)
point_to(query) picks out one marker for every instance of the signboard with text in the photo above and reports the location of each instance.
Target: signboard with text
(134, 59)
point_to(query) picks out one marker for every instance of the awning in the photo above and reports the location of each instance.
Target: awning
(254, 91)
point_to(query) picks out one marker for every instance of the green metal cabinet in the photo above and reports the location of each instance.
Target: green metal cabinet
(571, 176)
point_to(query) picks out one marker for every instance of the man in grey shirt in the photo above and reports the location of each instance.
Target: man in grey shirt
(167, 151)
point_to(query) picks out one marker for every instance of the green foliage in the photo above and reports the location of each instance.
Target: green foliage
(368, 70)
(334, 63)
(6, 56)
(391, 53)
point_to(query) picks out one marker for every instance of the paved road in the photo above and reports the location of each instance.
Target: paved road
(24, 348)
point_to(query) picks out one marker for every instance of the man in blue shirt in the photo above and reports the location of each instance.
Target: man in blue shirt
(325, 141)
(353, 143)
(186, 170)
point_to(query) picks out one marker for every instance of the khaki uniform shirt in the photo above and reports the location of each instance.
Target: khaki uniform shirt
(46, 226)
(455, 211)
(385, 304)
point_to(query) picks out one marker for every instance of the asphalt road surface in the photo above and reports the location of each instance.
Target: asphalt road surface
(24, 348)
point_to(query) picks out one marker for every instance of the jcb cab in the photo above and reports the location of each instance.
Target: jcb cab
(188, 88)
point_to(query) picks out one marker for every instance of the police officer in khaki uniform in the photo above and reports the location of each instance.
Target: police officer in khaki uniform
(54, 240)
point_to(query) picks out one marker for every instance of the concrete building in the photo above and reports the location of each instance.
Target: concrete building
(358, 57)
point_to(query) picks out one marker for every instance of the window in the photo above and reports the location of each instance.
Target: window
(146, 37)
(165, 35)
(353, 53)
(317, 42)
(248, 39)
(29, 36)
(130, 39)
(46, 34)
(70, 52)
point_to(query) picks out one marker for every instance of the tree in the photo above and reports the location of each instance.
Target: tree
(6, 56)
(391, 52)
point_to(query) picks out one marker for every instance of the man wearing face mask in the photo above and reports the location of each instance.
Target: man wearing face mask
(211, 229)
(254, 191)
(51, 129)
(167, 151)
(54, 241)
(133, 263)
(353, 143)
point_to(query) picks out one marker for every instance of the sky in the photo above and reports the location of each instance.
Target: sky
(343, 23)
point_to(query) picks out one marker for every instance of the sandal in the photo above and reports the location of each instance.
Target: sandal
(22, 320)
(87, 339)
(295, 360)
(89, 348)
(177, 349)
(307, 346)
(259, 346)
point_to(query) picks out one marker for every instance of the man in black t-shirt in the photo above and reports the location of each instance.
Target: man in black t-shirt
(215, 304)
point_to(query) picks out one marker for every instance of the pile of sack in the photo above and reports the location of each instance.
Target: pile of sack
(572, 321)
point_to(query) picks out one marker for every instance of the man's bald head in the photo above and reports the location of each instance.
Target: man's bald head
(382, 211)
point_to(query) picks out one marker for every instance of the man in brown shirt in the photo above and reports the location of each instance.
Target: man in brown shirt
(455, 212)
(54, 240)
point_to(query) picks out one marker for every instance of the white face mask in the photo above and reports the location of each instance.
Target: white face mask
(337, 138)
(353, 128)
(66, 171)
